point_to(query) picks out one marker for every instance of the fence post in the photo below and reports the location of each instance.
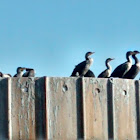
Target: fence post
(22, 109)
(95, 108)
(124, 109)
(69, 108)
(62, 114)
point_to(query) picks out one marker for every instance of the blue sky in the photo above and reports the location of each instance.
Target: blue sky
(52, 36)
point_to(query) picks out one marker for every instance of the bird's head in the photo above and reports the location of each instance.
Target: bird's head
(20, 69)
(129, 53)
(29, 69)
(109, 59)
(136, 52)
(88, 54)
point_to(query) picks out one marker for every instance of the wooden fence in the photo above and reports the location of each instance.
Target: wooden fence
(69, 108)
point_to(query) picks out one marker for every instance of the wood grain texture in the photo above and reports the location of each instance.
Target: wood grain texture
(95, 108)
(22, 105)
(124, 108)
(62, 116)
(69, 109)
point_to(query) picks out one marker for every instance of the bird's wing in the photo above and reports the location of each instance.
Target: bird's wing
(89, 74)
(119, 71)
(79, 68)
(103, 74)
(81, 65)
(132, 73)
(15, 75)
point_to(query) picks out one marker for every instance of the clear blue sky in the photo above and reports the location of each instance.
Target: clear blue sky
(52, 36)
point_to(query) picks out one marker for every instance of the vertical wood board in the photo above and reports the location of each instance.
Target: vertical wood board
(124, 108)
(61, 108)
(95, 108)
(22, 105)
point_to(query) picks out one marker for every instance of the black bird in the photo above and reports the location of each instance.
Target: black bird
(29, 73)
(122, 69)
(106, 73)
(89, 74)
(83, 67)
(19, 72)
(135, 69)
(5, 75)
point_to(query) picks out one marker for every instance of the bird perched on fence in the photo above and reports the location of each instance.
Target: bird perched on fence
(29, 73)
(135, 69)
(5, 75)
(84, 66)
(89, 74)
(122, 69)
(106, 73)
(19, 72)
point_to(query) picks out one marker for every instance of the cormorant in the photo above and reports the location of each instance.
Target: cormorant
(89, 74)
(5, 75)
(132, 73)
(122, 69)
(83, 67)
(106, 73)
(29, 73)
(19, 72)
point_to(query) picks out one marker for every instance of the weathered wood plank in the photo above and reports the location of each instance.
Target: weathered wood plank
(53, 108)
(95, 108)
(22, 106)
(62, 113)
(124, 108)
(3, 109)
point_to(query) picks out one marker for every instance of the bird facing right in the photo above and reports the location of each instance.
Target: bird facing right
(84, 66)
(29, 73)
(19, 72)
(106, 73)
(122, 69)
(135, 69)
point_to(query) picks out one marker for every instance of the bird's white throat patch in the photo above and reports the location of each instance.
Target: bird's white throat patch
(138, 64)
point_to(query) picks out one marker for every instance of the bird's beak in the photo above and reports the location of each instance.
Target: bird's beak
(92, 53)
(29, 69)
(133, 53)
(112, 58)
(23, 68)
